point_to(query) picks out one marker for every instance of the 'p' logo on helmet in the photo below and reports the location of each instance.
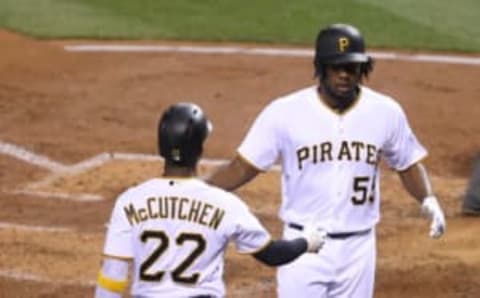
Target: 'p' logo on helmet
(343, 44)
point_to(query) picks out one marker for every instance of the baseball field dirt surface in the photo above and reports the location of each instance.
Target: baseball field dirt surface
(78, 128)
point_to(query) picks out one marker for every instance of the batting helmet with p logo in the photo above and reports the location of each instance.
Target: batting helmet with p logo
(182, 130)
(340, 43)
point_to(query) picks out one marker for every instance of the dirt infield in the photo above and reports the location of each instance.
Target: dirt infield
(66, 109)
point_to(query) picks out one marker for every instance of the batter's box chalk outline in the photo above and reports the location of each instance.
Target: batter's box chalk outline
(59, 170)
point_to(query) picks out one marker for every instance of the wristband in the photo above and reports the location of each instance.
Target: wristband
(117, 286)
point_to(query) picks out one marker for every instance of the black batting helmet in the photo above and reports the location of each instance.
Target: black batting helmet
(341, 43)
(182, 130)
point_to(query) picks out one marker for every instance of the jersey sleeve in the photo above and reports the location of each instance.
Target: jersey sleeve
(402, 148)
(118, 241)
(260, 145)
(249, 235)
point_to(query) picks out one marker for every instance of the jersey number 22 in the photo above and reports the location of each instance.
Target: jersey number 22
(164, 243)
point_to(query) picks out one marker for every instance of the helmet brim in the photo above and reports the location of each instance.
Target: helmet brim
(348, 58)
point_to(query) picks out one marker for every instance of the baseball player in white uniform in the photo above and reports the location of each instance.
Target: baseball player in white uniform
(176, 228)
(330, 139)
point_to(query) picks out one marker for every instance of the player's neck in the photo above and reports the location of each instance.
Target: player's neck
(170, 171)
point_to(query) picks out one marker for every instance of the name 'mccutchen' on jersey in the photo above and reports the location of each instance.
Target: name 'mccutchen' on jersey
(176, 231)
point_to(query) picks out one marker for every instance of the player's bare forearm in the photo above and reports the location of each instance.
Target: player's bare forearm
(233, 175)
(416, 181)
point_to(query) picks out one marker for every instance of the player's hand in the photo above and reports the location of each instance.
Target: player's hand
(432, 209)
(315, 237)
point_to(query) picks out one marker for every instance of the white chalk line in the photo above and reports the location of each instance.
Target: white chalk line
(82, 197)
(24, 276)
(78, 168)
(30, 157)
(42, 161)
(61, 170)
(289, 52)
(147, 157)
(33, 228)
(93, 162)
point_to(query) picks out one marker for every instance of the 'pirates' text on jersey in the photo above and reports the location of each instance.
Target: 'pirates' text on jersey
(330, 160)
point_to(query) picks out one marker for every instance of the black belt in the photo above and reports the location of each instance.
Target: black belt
(333, 235)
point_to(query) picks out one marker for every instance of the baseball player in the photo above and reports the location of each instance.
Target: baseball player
(329, 139)
(176, 228)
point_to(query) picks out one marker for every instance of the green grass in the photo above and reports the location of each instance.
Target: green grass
(414, 24)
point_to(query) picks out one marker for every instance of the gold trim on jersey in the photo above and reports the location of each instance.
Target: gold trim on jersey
(267, 243)
(414, 163)
(336, 111)
(244, 159)
(117, 257)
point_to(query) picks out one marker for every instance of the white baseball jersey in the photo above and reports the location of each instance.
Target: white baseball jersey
(177, 230)
(329, 159)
